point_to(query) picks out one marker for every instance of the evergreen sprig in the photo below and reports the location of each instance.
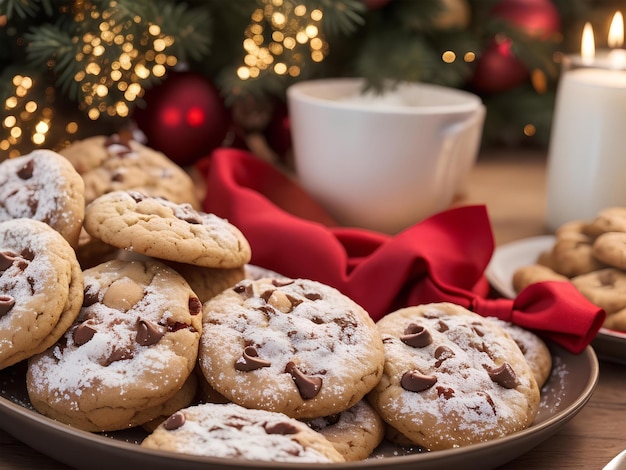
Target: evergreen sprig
(25, 8)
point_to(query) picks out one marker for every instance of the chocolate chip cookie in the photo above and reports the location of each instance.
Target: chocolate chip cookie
(41, 288)
(232, 432)
(44, 186)
(451, 378)
(159, 228)
(118, 162)
(131, 349)
(294, 346)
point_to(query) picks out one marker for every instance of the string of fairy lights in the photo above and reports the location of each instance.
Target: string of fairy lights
(293, 33)
(114, 57)
(113, 65)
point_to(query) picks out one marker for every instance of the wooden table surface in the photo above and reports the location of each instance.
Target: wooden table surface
(511, 184)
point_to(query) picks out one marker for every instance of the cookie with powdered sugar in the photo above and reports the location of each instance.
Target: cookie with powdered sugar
(41, 288)
(118, 162)
(355, 432)
(452, 378)
(230, 431)
(44, 186)
(132, 347)
(294, 346)
(157, 227)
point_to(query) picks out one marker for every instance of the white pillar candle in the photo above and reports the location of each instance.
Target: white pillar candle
(587, 154)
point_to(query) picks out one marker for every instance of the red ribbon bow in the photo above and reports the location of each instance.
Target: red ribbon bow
(442, 258)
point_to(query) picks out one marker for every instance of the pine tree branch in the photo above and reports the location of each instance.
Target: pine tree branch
(25, 8)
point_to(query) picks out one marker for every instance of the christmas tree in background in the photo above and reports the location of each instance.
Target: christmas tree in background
(203, 73)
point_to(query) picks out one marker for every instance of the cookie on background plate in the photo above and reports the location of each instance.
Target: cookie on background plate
(156, 227)
(452, 378)
(524, 276)
(609, 219)
(293, 346)
(41, 288)
(610, 248)
(132, 347)
(44, 186)
(605, 288)
(233, 432)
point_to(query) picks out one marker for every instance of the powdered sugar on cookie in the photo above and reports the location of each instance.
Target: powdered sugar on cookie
(452, 378)
(303, 347)
(231, 431)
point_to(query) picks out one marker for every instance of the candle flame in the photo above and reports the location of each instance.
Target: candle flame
(588, 44)
(616, 31)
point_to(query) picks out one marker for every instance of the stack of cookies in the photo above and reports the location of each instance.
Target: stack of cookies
(591, 254)
(167, 327)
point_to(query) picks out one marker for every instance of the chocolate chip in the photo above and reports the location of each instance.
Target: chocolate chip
(250, 360)
(188, 214)
(148, 333)
(282, 283)
(294, 301)
(90, 297)
(489, 401)
(478, 330)
(245, 290)
(175, 421)
(442, 353)
(27, 254)
(416, 336)
(267, 294)
(313, 296)
(6, 260)
(415, 381)
(504, 375)
(118, 177)
(26, 172)
(308, 387)
(117, 354)
(195, 306)
(445, 392)
(137, 196)
(282, 427)
(175, 326)
(82, 334)
(6, 304)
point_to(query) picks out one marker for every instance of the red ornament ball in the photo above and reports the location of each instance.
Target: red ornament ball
(536, 17)
(498, 70)
(184, 117)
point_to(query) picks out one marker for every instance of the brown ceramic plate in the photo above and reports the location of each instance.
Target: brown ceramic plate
(609, 345)
(570, 386)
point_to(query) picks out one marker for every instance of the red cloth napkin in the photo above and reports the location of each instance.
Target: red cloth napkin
(442, 258)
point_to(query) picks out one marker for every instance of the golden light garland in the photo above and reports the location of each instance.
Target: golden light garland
(29, 112)
(117, 59)
(282, 37)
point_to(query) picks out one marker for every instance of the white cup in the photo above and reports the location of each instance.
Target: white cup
(383, 162)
